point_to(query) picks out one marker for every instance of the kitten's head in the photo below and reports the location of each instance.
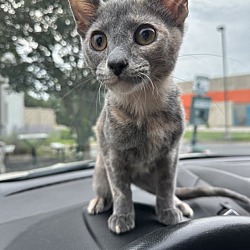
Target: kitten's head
(130, 43)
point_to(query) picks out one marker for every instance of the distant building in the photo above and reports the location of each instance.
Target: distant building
(15, 118)
(39, 120)
(238, 99)
(11, 111)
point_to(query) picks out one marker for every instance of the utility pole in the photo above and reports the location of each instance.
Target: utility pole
(222, 30)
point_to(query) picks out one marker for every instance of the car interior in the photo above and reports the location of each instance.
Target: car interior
(50, 101)
(48, 211)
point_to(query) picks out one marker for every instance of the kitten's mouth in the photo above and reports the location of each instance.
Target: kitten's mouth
(125, 80)
(124, 84)
(130, 80)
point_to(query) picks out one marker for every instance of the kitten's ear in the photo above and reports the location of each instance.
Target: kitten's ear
(178, 9)
(84, 12)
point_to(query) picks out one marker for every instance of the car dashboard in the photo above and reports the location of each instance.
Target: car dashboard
(50, 212)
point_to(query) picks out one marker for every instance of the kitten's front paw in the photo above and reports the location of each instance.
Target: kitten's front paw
(169, 216)
(121, 223)
(99, 205)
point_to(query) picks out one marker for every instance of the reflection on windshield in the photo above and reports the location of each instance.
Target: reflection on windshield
(49, 100)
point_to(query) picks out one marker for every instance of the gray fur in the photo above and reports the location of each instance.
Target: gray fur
(191, 193)
(142, 120)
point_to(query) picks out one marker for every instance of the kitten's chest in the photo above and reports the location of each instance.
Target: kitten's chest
(140, 140)
(126, 135)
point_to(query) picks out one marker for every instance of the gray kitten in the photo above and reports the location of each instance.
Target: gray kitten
(132, 47)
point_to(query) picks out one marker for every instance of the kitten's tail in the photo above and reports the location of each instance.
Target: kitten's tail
(190, 193)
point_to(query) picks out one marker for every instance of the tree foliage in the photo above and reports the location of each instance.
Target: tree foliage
(32, 102)
(40, 52)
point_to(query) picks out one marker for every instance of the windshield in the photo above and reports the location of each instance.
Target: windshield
(50, 100)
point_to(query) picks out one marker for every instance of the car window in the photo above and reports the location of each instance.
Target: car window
(50, 101)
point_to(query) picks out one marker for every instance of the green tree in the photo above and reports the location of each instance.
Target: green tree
(40, 52)
(32, 102)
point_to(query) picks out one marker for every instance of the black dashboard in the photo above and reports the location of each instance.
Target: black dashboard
(50, 212)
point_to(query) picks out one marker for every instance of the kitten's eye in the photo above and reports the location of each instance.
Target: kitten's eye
(145, 35)
(99, 41)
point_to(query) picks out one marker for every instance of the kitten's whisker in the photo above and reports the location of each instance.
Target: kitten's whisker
(151, 82)
(145, 94)
(160, 81)
(94, 98)
(196, 59)
(45, 68)
(180, 79)
(71, 90)
(212, 55)
(99, 94)
(78, 109)
(190, 83)
(144, 87)
(138, 97)
(81, 84)
(98, 98)
(135, 97)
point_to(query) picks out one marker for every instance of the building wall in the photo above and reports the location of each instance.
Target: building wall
(238, 94)
(12, 111)
(233, 83)
(15, 118)
(217, 114)
(39, 120)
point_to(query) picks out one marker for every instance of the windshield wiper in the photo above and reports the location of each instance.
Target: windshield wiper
(57, 168)
(208, 156)
(60, 168)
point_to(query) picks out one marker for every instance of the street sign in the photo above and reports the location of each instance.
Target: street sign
(200, 110)
(201, 85)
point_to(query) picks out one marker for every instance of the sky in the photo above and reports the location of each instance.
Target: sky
(202, 38)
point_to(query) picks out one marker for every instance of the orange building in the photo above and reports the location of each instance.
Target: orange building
(238, 96)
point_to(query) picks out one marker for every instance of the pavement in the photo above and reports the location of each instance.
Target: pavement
(220, 148)
(219, 129)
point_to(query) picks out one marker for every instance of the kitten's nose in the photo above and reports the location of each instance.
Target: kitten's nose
(117, 62)
(117, 66)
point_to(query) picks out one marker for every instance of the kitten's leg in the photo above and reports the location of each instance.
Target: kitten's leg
(103, 201)
(165, 185)
(122, 219)
(146, 183)
(183, 207)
